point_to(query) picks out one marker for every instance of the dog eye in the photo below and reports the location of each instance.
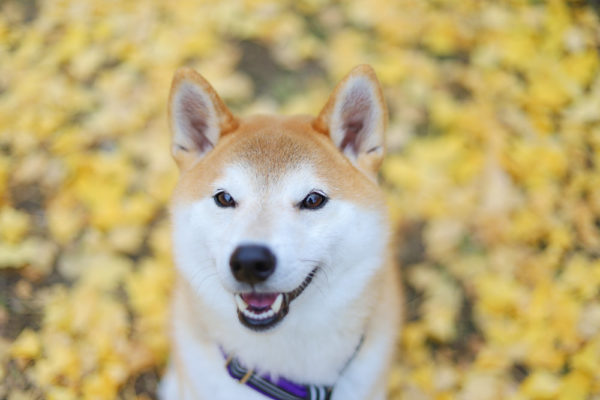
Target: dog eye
(224, 199)
(313, 201)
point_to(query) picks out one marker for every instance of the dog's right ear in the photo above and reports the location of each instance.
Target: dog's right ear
(198, 117)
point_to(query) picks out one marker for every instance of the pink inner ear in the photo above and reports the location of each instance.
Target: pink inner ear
(194, 116)
(355, 113)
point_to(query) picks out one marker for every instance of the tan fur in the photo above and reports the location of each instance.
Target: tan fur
(269, 143)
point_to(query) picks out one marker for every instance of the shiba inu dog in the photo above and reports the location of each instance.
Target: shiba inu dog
(286, 288)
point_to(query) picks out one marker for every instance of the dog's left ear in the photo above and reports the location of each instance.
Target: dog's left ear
(355, 118)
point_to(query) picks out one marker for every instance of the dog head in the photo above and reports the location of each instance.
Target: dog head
(268, 207)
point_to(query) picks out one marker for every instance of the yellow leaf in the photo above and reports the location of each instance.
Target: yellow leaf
(99, 386)
(61, 393)
(541, 385)
(574, 386)
(27, 345)
(14, 224)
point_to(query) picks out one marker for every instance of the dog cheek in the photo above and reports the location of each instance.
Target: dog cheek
(195, 246)
(357, 234)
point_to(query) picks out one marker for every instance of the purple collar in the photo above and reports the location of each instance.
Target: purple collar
(280, 389)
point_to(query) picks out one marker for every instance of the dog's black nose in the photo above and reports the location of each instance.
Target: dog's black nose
(252, 263)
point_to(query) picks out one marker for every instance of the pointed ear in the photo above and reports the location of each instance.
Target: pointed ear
(355, 118)
(198, 117)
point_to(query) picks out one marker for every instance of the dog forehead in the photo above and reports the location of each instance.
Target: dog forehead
(272, 146)
(263, 150)
(276, 150)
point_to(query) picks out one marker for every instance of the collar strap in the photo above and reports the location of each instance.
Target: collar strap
(281, 389)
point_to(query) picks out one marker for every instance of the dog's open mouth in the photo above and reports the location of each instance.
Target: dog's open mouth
(261, 311)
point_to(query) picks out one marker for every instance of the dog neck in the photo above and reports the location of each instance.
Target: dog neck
(279, 388)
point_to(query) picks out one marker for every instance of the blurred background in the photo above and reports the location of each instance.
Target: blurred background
(493, 180)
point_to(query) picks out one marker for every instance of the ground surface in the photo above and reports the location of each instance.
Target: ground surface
(493, 180)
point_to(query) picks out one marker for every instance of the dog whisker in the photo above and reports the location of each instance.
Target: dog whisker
(205, 279)
(308, 260)
(323, 269)
(201, 272)
(319, 288)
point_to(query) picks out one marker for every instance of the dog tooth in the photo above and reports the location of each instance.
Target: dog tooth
(242, 305)
(250, 314)
(263, 315)
(276, 306)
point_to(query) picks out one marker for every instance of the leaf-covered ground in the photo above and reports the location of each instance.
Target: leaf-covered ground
(493, 180)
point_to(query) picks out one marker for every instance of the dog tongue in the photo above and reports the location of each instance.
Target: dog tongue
(259, 300)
